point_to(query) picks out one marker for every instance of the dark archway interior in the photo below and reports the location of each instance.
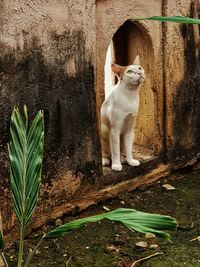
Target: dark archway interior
(128, 41)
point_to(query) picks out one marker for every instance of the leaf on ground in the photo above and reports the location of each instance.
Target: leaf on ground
(135, 220)
(196, 238)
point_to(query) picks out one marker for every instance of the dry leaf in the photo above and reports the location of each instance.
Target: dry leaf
(168, 187)
(106, 208)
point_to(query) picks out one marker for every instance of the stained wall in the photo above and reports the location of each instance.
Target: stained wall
(182, 79)
(47, 62)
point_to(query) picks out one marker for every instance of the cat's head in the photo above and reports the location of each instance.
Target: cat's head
(131, 74)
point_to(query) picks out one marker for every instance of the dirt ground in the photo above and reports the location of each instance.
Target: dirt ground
(108, 244)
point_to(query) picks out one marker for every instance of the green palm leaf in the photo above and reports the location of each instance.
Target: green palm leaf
(25, 153)
(135, 220)
(140, 221)
(176, 19)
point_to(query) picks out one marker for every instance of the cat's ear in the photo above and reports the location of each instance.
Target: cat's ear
(137, 60)
(117, 69)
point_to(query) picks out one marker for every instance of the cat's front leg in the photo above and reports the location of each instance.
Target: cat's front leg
(128, 143)
(115, 149)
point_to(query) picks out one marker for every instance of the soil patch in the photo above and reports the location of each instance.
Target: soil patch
(108, 244)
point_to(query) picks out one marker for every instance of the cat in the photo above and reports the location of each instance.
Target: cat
(118, 114)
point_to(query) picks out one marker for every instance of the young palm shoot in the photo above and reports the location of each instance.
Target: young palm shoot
(25, 154)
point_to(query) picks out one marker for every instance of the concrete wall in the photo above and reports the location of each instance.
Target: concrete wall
(182, 79)
(47, 62)
(52, 58)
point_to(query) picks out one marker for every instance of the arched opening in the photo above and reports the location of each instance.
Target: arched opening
(128, 41)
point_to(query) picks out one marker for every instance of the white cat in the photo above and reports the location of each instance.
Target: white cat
(118, 113)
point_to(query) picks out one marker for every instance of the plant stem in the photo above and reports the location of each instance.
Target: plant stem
(21, 246)
(146, 258)
(4, 259)
(31, 253)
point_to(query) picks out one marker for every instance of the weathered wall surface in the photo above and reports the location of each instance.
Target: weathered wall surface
(182, 79)
(47, 62)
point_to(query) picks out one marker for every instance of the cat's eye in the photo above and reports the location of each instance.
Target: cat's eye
(140, 68)
(130, 71)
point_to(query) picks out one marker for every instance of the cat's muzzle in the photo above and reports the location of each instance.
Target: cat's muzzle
(142, 78)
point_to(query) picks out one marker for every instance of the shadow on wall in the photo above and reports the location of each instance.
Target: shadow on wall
(39, 80)
(186, 105)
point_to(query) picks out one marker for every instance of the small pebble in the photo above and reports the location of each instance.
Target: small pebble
(141, 245)
(150, 235)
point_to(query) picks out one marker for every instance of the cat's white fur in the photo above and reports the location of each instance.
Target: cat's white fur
(118, 113)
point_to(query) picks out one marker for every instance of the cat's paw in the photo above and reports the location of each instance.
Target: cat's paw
(105, 161)
(117, 167)
(133, 162)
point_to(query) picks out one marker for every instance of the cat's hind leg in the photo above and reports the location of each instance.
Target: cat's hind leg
(133, 162)
(105, 161)
(105, 145)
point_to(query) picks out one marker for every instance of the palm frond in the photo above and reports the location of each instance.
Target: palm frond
(25, 153)
(175, 19)
(136, 220)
